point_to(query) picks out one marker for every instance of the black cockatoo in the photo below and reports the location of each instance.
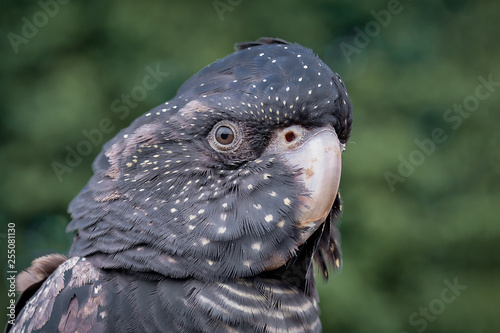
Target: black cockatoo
(206, 213)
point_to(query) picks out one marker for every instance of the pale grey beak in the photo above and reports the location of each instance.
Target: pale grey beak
(317, 154)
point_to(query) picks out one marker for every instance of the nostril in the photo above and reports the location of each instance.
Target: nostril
(290, 136)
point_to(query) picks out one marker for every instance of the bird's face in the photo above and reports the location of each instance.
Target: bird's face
(229, 178)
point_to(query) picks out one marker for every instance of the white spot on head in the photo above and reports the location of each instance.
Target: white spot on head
(173, 210)
(259, 206)
(256, 246)
(281, 224)
(269, 218)
(221, 230)
(287, 202)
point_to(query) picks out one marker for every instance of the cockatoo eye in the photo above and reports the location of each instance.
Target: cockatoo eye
(225, 136)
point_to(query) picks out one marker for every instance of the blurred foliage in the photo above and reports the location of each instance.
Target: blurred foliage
(399, 245)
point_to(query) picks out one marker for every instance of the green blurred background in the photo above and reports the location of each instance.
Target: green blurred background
(418, 215)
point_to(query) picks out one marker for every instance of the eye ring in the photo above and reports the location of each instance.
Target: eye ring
(225, 136)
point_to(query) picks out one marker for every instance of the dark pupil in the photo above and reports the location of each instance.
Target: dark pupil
(224, 135)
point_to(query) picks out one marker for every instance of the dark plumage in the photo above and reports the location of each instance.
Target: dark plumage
(197, 218)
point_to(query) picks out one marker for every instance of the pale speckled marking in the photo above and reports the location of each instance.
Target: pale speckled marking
(256, 246)
(241, 293)
(39, 307)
